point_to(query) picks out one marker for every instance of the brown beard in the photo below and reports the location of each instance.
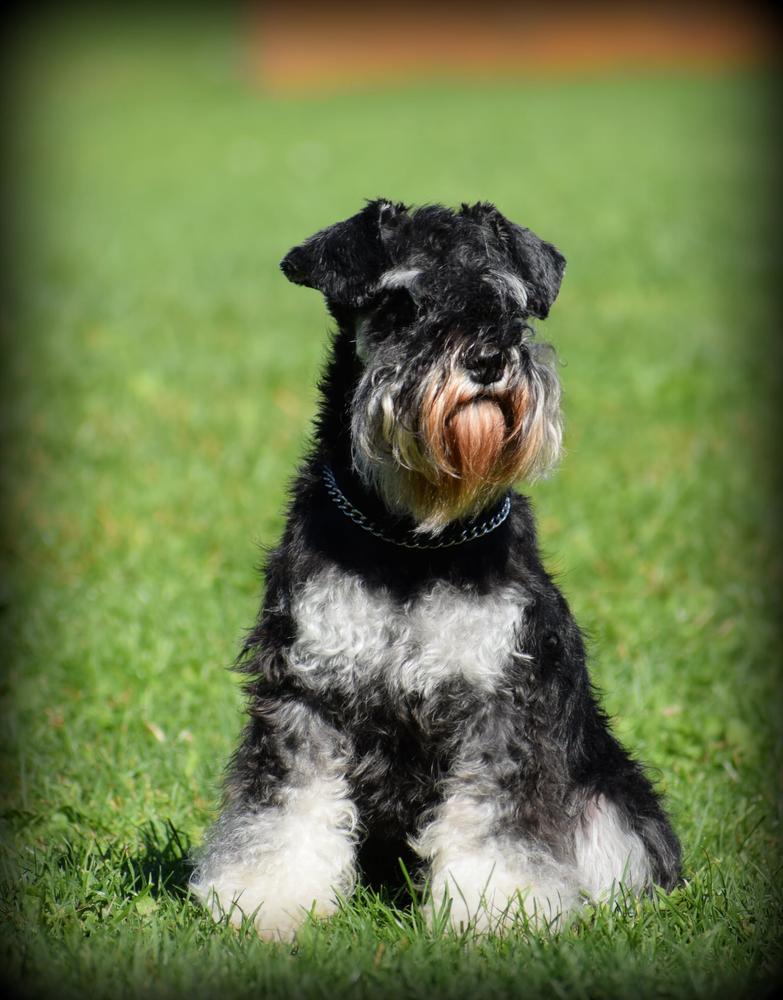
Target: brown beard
(469, 449)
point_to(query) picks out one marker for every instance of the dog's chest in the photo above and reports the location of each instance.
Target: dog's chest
(349, 636)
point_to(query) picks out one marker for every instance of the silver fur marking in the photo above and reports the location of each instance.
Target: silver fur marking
(349, 635)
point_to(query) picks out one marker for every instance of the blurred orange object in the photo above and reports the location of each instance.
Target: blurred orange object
(337, 45)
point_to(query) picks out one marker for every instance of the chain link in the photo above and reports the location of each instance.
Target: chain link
(355, 515)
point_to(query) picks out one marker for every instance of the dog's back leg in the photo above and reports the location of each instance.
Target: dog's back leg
(623, 835)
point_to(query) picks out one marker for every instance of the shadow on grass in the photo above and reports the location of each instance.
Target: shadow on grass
(390, 869)
(82, 874)
(163, 864)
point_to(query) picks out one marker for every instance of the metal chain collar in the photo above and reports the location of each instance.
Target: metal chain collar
(467, 534)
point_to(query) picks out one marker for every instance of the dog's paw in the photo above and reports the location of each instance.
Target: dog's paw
(492, 899)
(276, 914)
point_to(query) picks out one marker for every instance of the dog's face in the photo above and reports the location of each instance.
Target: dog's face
(454, 400)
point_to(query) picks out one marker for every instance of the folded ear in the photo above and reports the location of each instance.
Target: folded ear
(539, 264)
(345, 261)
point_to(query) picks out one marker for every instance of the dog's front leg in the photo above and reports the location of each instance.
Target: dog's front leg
(484, 872)
(285, 842)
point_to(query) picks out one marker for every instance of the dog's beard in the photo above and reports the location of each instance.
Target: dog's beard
(448, 449)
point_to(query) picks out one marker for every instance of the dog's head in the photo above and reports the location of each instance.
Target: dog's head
(454, 399)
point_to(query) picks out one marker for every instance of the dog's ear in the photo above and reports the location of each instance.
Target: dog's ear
(345, 261)
(539, 264)
(541, 267)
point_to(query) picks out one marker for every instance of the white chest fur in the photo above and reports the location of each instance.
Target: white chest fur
(348, 635)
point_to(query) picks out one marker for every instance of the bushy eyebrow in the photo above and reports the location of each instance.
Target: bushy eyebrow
(399, 277)
(512, 283)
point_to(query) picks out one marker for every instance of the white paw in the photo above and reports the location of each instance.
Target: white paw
(277, 911)
(275, 866)
(489, 896)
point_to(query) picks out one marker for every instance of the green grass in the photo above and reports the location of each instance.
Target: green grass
(158, 388)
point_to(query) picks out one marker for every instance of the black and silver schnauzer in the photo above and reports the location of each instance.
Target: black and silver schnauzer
(417, 684)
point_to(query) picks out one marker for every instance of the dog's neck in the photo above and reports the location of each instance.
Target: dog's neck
(401, 530)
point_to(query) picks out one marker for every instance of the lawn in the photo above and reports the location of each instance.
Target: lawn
(158, 384)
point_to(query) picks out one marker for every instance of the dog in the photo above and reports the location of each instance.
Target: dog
(417, 685)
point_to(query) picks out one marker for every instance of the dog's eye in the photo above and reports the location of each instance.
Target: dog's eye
(397, 308)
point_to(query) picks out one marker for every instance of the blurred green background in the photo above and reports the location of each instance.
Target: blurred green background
(158, 384)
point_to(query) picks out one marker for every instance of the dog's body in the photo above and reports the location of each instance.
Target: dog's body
(416, 678)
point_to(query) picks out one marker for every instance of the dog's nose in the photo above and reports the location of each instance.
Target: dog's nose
(484, 364)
